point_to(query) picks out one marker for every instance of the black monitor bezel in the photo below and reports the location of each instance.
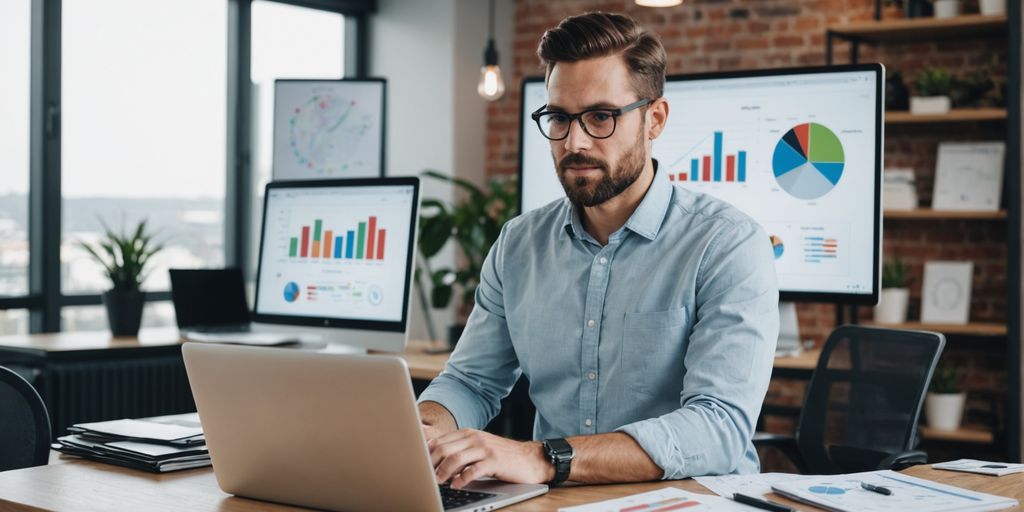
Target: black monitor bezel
(383, 113)
(340, 322)
(786, 295)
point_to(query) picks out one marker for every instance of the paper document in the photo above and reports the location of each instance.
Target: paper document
(844, 493)
(662, 500)
(752, 485)
(982, 467)
(140, 429)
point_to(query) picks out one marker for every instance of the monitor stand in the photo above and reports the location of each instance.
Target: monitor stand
(339, 348)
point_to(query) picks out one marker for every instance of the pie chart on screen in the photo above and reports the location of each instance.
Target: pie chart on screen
(777, 246)
(808, 161)
(291, 292)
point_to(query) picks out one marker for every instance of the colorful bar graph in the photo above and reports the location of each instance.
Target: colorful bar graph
(360, 241)
(682, 176)
(743, 166)
(694, 169)
(337, 247)
(718, 156)
(707, 168)
(351, 237)
(371, 235)
(380, 244)
(730, 168)
(305, 241)
(328, 238)
(293, 247)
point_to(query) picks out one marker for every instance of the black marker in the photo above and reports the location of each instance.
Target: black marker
(876, 488)
(761, 504)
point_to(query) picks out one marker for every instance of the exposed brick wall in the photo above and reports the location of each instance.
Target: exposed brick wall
(707, 35)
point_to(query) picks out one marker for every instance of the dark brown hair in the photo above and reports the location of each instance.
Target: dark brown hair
(600, 34)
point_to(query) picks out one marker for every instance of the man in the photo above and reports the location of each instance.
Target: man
(644, 316)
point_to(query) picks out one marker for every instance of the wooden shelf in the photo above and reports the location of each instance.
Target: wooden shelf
(922, 29)
(963, 435)
(957, 115)
(930, 214)
(971, 329)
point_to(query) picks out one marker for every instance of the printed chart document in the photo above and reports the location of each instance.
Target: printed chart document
(662, 500)
(751, 485)
(982, 467)
(844, 493)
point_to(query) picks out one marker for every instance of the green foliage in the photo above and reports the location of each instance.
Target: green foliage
(124, 255)
(946, 380)
(933, 82)
(473, 224)
(895, 274)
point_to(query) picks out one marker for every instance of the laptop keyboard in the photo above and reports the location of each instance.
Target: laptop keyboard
(455, 498)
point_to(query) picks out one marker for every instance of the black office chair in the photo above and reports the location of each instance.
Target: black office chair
(863, 402)
(24, 424)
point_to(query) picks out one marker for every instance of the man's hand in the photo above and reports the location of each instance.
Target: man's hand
(437, 421)
(467, 455)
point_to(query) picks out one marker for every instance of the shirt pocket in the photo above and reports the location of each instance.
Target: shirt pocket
(653, 346)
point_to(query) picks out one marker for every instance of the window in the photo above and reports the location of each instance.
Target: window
(144, 106)
(15, 74)
(287, 42)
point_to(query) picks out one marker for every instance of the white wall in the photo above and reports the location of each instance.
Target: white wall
(431, 52)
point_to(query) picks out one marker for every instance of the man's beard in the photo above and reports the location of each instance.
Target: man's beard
(583, 191)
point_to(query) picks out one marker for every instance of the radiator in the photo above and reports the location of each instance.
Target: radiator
(83, 391)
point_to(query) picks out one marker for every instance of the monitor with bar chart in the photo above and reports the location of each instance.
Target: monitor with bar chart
(337, 251)
(798, 149)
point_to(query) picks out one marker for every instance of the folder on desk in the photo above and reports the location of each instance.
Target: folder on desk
(159, 444)
(177, 430)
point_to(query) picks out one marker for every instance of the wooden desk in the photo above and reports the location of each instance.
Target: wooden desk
(72, 484)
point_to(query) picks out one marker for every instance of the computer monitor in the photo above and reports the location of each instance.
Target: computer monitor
(336, 260)
(329, 129)
(799, 150)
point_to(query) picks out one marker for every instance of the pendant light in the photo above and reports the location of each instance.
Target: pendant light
(658, 3)
(491, 85)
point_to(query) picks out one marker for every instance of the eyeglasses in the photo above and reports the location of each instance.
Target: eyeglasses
(598, 123)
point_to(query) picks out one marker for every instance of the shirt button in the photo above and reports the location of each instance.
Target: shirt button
(603, 260)
(591, 375)
(588, 422)
(591, 322)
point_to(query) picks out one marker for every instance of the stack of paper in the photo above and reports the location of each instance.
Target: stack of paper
(158, 444)
(981, 467)
(662, 500)
(844, 493)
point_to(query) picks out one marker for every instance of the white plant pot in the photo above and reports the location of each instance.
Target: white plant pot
(992, 7)
(930, 104)
(892, 306)
(944, 410)
(947, 8)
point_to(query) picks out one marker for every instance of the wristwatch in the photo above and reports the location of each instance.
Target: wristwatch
(560, 452)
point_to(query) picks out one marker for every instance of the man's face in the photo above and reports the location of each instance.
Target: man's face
(591, 170)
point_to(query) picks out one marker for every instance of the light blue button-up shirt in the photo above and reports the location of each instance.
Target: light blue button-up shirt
(667, 333)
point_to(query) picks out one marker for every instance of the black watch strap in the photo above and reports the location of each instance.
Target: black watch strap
(560, 453)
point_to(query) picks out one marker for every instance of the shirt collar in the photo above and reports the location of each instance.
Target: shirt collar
(646, 219)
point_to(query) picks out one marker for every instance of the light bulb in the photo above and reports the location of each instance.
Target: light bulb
(491, 86)
(658, 3)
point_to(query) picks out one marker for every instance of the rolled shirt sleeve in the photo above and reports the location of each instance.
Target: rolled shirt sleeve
(727, 365)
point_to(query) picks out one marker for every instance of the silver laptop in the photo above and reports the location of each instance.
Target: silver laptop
(329, 431)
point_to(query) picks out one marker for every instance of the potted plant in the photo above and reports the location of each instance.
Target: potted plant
(473, 224)
(944, 403)
(946, 8)
(124, 257)
(893, 299)
(933, 87)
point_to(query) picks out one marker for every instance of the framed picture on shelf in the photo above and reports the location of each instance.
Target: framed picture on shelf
(946, 296)
(969, 176)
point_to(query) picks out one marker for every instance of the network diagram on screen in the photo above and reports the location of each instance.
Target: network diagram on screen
(798, 152)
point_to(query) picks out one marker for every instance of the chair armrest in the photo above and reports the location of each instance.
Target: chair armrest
(903, 460)
(786, 444)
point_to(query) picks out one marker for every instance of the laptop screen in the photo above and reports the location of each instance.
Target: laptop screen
(208, 297)
(337, 253)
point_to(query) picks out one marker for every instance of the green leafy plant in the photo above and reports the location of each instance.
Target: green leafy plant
(946, 380)
(895, 274)
(933, 82)
(124, 255)
(473, 224)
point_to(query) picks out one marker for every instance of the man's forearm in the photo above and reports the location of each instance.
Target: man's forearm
(611, 458)
(437, 417)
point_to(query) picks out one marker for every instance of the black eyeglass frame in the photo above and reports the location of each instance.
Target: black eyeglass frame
(614, 112)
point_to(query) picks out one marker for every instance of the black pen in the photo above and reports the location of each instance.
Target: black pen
(876, 488)
(759, 503)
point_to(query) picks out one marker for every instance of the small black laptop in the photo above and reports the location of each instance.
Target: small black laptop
(210, 300)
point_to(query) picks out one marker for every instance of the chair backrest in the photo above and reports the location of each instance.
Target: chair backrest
(865, 396)
(24, 424)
